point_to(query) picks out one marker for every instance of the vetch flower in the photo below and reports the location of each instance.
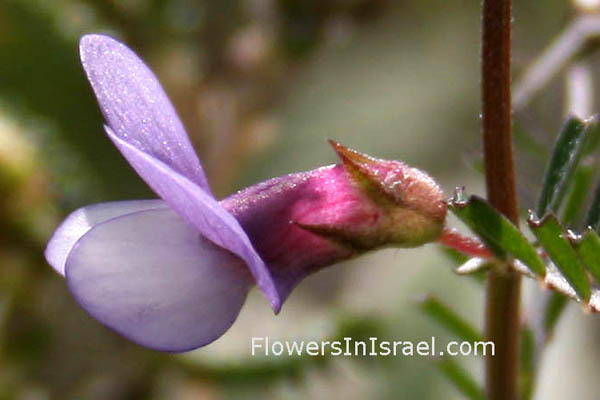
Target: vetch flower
(173, 274)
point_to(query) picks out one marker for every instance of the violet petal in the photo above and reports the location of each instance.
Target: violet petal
(201, 210)
(154, 279)
(136, 107)
(80, 221)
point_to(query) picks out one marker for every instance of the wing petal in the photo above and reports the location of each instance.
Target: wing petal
(151, 277)
(80, 221)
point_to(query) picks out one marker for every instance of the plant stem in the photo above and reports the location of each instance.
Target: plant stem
(504, 285)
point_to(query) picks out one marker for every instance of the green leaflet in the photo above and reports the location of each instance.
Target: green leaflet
(461, 379)
(588, 249)
(551, 235)
(450, 320)
(498, 233)
(565, 156)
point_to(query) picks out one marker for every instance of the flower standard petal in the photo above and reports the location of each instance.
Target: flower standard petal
(154, 279)
(201, 210)
(80, 221)
(136, 107)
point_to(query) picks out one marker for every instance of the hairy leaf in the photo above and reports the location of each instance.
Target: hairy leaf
(551, 235)
(555, 281)
(498, 233)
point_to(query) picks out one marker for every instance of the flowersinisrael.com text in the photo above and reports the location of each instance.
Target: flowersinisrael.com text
(348, 347)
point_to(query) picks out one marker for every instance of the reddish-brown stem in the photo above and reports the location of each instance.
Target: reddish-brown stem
(503, 287)
(496, 111)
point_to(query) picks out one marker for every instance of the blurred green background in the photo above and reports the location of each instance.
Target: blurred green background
(260, 85)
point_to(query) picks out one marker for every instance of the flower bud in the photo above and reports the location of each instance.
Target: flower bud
(305, 221)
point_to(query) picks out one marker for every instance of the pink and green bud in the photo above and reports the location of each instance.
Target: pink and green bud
(302, 222)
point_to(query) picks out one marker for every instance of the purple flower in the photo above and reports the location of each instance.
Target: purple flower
(173, 274)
